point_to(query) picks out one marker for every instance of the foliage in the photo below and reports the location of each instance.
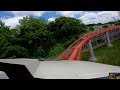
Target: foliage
(58, 48)
(62, 28)
(105, 26)
(34, 34)
(89, 29)
(8, 39)
(117, 23)
(68, 42)
(16, 52)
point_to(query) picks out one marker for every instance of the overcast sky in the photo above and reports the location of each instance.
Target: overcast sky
(11, 18)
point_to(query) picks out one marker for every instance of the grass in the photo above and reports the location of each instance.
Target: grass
(106, 55)
(56, 51)
(54, 57)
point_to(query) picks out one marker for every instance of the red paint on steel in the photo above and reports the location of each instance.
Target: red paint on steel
(81, 42)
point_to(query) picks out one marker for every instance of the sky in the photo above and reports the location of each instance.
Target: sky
(11, 18)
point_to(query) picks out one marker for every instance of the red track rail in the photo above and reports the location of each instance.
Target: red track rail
(81, 42)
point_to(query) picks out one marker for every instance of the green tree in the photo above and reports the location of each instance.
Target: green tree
(8, 43)
(89, 29)
(105, 26)
(64, 27)
(16, 51)
(4, 36)
(117, 22)
(34, 34)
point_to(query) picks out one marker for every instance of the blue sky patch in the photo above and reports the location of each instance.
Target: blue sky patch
(11, 18)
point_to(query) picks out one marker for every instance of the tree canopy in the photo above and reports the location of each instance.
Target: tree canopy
(63, 28)
(34, 35)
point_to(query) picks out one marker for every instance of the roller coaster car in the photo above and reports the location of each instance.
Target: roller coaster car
(25, 69)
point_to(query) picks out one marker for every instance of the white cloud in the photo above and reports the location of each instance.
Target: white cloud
(12, 22)
(28, 13)
(86, 17)
(69, 13)
(110, 13)
(100, 17)
(51, 19)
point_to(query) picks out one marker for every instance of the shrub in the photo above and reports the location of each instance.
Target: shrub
(57, 49)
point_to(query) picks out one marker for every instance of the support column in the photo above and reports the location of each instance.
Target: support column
(119, 33)
(110, 36)
(96, 41)
(92, 57)
(108, 40)
(105, 39)
(112, 33)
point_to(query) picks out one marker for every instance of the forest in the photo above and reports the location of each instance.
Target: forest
(37, 38)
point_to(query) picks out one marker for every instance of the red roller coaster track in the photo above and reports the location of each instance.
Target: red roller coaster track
(81, 42)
